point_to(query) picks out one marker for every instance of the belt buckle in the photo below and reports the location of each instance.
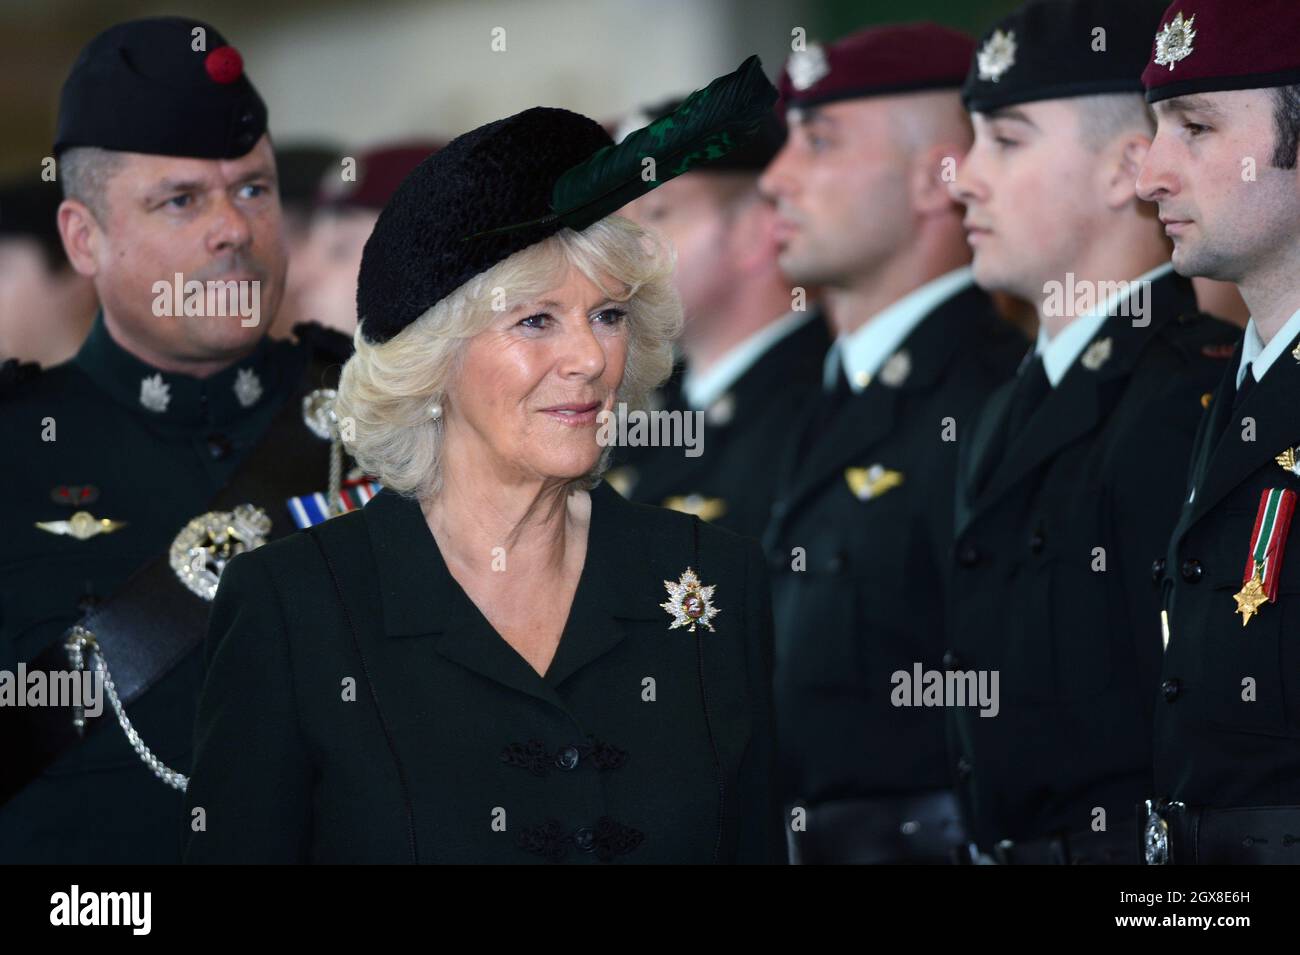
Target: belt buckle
(1155, 831)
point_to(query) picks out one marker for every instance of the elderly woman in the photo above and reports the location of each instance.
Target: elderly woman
(498, 659)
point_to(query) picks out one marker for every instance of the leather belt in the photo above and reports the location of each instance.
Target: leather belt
(923, 828)
(1174, 833)
(1085, 847)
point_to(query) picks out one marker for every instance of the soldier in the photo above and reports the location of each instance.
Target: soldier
(38, 279)
(163, 415)
(345, 215)
(751, 361)
(1064, 499)
(1223, 171)
(862, 525)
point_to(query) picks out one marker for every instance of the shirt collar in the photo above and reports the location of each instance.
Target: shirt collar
(701, 390)
(1059, 352)
(1255, 352)
(862, 352)
(173, 398)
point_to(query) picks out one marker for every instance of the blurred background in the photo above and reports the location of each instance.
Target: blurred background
(363, 71)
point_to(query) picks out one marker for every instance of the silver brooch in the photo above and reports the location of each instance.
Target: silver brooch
(895, 371)
(155, 394)
(1098, 354)
(206, 544)
(689, 603)
(318, 412)
(996, 56)
(807, 67)
(1174, 42)
(248, 387)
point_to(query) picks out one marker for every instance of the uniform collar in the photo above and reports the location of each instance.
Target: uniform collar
(1060, 352)
(864, 351)
(164, 396)
(1255, 353)
(701, 391)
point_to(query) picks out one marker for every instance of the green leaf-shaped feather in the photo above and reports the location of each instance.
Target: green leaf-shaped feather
(709, 124)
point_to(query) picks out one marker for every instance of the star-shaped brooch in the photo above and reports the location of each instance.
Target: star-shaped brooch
(689, 603)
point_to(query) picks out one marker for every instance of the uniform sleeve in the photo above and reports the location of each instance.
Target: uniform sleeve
(761, 828)
(251, 775)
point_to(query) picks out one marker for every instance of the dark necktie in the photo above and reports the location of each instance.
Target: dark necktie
(1244, 389)
(1027, 394)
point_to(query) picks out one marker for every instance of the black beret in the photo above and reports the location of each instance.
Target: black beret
(1050, 49)
(142, 87)
(486, 179)
(753, 155)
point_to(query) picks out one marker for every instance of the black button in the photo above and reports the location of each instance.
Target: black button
(968, 556)
(87, 602)
(776, 561)
(836, 562)
(1157, 569)
(1192, 570)
(567, 758)
(219, 446)
(1171, 689)
(951, 661)
(246, 119)
(1036, 543)
(584, 839)
(964, 768)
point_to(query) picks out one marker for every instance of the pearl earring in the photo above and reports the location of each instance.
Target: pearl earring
(435, 411)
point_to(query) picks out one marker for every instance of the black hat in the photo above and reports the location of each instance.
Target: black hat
(753, 155)
(500, 188)
(1056, 49)
(164, 85)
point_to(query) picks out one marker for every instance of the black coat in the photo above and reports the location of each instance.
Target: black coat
(1077, 647)
(1214, 748)
(870, 601)
(455, 749)
(733, 482)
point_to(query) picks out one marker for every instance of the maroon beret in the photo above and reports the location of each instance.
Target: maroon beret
(378, 174)
(899, 58)
(1208, 45)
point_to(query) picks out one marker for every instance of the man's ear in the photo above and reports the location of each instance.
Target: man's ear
(81, 236)
(1124, 163)
(931, 177)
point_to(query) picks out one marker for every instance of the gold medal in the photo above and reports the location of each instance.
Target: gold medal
(1250, 598)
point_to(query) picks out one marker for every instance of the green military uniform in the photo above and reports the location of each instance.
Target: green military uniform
(1052, 580)
(641, 744)
(733, 483)
(153, 448)
(112, 459)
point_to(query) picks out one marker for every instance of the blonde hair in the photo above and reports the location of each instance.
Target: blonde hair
(386, 390)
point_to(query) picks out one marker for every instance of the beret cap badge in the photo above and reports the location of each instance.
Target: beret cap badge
(1174, 41)
(996, 56)
(808, 67)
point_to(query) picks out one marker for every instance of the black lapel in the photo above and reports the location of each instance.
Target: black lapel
(960, 322)
(974, 466)
(1085, 395)
(420, 598)
(1274, 404)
